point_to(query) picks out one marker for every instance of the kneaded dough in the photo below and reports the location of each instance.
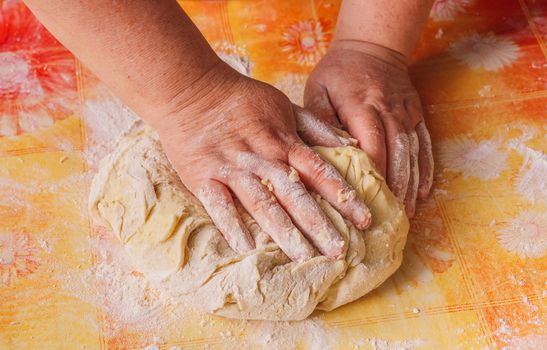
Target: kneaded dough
(174, 243)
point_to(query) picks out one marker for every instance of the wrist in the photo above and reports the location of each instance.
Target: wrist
(189, 99)
(377, 51)
(394, 24)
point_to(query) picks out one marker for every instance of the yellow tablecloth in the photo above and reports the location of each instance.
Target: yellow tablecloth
(474, 274)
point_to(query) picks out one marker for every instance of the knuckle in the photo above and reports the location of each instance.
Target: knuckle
(278, 168)
(299, 194)
(263, 204)
(321, 172)
(379, 101)
(296, 150)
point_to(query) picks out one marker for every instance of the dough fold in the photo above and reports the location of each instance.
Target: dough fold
(172, 240)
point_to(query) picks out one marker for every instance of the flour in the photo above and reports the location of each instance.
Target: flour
(316, 132)
(414, 174)
(439, 34)
(106, 119)
(312, 333)
(44, 245)
(384, 344)
(485, 91)
(399, 166)
(531, 182)
(129, 304)
(427, 163)
(112, 285)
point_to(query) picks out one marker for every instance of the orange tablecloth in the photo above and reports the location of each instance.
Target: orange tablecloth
(474, 274)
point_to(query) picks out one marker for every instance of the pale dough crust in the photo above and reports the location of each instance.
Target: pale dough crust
(174, 243)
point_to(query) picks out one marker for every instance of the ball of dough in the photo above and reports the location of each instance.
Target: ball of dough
(174, 243)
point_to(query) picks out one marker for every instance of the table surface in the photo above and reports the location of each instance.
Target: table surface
(474, 273)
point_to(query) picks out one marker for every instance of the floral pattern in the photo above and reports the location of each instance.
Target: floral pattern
(485, 51)
(37, 75)
(530, 182)
(235, 56)
(17, 257)
(428, 250)
(482, 159)
(306, 41)
(525, 235)
(478, 69)
(445, 10)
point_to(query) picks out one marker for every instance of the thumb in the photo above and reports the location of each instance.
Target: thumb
(316, 132)
(316, 100)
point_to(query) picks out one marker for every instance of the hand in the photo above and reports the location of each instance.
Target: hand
(366, 88)
(234, 136)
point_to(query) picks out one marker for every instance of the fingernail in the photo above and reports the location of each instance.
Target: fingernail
(424, 189)
(337, 248)
(410, 210)
(297, 248)
(347, 141)
(363, 218)
(345, 194)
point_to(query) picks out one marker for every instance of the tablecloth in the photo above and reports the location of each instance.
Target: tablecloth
(474, 272)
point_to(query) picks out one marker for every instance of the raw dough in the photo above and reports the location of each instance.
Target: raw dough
(174, 243)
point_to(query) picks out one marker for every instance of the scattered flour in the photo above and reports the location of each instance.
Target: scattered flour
(311, 333)
(106, 119)
(485, 90)
(383, 344)
(439, 34)
(45, 245)
(122, 294)
(531, 182)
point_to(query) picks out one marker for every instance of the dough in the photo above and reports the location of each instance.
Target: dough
(174, 243)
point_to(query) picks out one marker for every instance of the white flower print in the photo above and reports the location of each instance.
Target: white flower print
(445, 10)
(17, 257)
(526, 235)
(485, 51)
(483, 160)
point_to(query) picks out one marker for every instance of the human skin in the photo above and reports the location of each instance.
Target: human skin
(362, 84)
(222, 132)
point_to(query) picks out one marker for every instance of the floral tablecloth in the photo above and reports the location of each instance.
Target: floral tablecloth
(474, 274)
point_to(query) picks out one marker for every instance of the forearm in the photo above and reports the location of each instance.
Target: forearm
(147, 52)
(395, 24)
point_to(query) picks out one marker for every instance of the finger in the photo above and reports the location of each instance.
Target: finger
(316, 132)
(219, 204)
(412, 189)
(270, 216)
(364, 123)
(321, 177)
(316, 100)
(415, 111)
(304, 211)
(425, 160)
(398, 156)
